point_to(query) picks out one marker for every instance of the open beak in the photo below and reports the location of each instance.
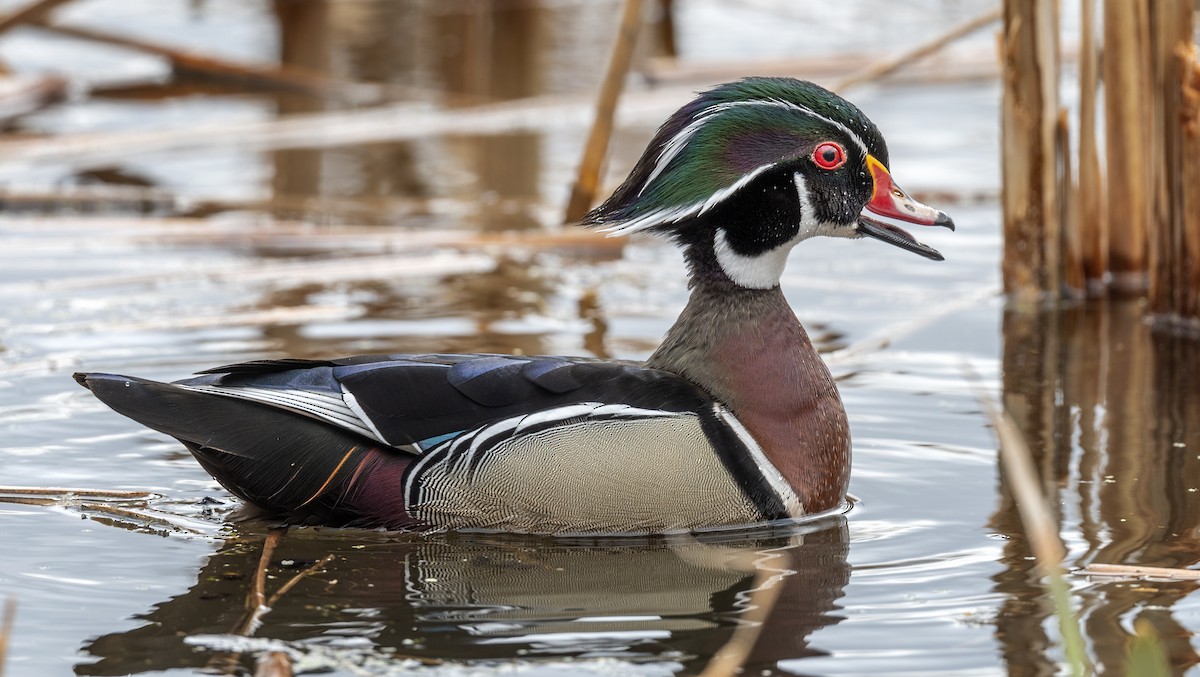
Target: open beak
(889, 202)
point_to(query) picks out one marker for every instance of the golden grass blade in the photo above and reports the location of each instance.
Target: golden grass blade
(1039, 524)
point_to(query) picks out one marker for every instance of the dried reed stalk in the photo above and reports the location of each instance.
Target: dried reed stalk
(275, 78)
(63, 492)
(29, 13)
(1029, 117)
(1175, 236)
(226, 663)
(1128, 90)
(1135, 571)
(1074, 281)
(583, 194)
(1090, 222)
(1189, 112)
(878, 69)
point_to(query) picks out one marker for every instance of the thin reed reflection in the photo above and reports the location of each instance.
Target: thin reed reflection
(1111, 411)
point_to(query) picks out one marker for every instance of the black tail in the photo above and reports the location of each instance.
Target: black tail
(283, 462)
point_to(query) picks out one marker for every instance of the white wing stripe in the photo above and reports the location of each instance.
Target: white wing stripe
(352, 403)
(330, 408)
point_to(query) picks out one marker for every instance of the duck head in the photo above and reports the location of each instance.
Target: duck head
(750, 168)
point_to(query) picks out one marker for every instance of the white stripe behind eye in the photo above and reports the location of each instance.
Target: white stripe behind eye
(652, 219)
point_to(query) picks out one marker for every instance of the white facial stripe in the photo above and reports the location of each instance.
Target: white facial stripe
(661, 216)
(807, 213)
(810, 226)
(764, 270)
(651, 219)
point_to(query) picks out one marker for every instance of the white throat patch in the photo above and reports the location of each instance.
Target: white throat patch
(764, 270)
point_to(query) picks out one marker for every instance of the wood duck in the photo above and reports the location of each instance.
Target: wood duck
(733, 420)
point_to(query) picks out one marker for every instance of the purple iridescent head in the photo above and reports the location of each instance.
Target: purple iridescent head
(750, 168)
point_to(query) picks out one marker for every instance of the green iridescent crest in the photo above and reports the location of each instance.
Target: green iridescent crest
(722, 140)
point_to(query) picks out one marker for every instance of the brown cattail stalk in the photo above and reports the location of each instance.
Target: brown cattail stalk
(1127, 92)
(1029, 120)
(1074, 281)
(1175, 168)
(1091, 224)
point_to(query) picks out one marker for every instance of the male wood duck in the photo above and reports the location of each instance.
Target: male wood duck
(733, 420)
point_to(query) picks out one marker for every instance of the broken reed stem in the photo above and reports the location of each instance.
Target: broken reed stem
(1136, 571)
(885, 66)
(256, 601)
(279, 78)
(587, 181)
(62, 492)
(31, 12)
(226, 663)
(291, 582)
(1189, 57)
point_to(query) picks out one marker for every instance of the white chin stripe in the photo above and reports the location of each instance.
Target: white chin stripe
(764, 270)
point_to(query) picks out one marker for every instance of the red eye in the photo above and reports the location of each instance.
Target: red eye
(829, 155)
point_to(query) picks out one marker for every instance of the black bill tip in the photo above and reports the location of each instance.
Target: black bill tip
(944, 220)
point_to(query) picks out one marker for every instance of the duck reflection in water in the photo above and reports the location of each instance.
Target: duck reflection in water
(372, 599)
